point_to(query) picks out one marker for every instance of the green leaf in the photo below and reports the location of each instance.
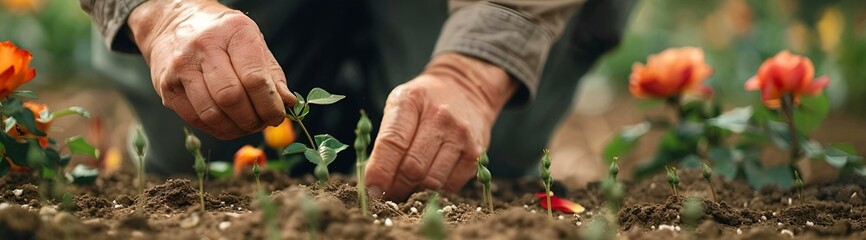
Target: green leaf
(759, 176)
(625, 140)
(52, 158)
(326, 140)
(71, 111)
(691, 161)
(220, 170)
(735, 120)
(283, 165)
(11, 106)
(17, 151)
(25, 94)
(312, 156)
(25, 118)
(672, 149)
(724, 161)
(295, 148)
(321, 97)
(779, 134)
(299, 106)
(78, 145)
(811, 113)
(812, 148)
(82, 174)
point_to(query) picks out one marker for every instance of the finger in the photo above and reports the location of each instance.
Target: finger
(247, 51)
(418, 159)
(229, 94)
(181, 105)
(399, 122)
(443, 165)
(464, 170)
(207, 109)
(279, 78)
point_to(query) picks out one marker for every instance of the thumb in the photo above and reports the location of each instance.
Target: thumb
(279, 79)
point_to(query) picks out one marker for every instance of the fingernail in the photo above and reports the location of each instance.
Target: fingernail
(375, 191)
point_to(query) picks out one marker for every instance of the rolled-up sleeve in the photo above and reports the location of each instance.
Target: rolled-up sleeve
(109, 18)
(515, 35)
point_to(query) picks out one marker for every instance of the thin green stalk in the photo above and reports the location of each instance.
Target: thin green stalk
(788, 112)
(362, 140)
(304, 128)
(547, 195)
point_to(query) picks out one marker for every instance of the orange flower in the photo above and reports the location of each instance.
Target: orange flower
(43, 121)
(14, 68)
(783, 74)
(246, 156)
(21, 6)
(670, 73)
(281, 136)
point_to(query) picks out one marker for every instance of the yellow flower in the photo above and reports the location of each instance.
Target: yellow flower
(281, 136)
(14, 68)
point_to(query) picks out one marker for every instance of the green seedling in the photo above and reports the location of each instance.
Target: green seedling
(67, 204)
(613, 170)
(692, 212)
(323, 150)
(269, 215)
(432, 224)
(708, 175)
(193, 145)
(798, 181)
(362, 140)
(139, 144)
(311, 211)
(673, 179)
(257, 171)
(484, 178)
(598, 229)
(546, 180)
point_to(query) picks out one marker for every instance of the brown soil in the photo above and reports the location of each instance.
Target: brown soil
(171, 210)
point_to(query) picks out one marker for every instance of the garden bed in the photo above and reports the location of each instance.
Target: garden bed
(112, 209)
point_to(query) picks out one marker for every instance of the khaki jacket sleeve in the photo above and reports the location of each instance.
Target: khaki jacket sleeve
(515, 35)
(109, 18)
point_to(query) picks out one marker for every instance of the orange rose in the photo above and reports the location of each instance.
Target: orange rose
(21, 6)
(281, 136)
(14, 68)
(670, 73)
(246, 156)
(41, 114)
(785, 74)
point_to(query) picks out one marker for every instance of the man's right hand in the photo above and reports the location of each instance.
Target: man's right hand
(210, 64)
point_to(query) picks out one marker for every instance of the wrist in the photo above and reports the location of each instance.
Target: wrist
(488, 82)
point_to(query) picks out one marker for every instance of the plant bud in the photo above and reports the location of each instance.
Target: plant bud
(614, 169)
(139, 142)
(708, 172)
(256, 169)
(321, 172)
(483, 175)
(484, 160)
(192, 142)
(364, 125)
(544, 173)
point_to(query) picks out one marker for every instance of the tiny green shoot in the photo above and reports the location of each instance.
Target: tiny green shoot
(323, 150)
(613, 170)
(432, 224)
(311, 211)
(673, 179)
(692, 212)
(269, 216)
(257, 171)
(546, 179)
(139, 144)
(193, 145)
(708, 175)
(798, 181)
(484, 178)
(362, 140)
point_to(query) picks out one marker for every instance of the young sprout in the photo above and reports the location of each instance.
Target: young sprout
(269, 216)
(546, 179)
(311, 211)
(432, 224)
(708, 175)
(257, 171)
(193, 145)
(798, 181)
(613, 170)
(362, 140)
(140, 145)
(673, 179)
(484, 177)
(323, 150)
(67, 204)
(692, 212)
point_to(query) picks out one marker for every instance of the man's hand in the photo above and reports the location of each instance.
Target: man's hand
(210, 64)
(436, 125)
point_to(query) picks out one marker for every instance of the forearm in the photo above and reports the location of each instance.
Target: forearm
(487, 81)
(109, 18)
(514, 35)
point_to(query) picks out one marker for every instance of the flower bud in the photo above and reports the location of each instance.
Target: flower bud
(708, 172)
(192, 142)
(321, 172)
(139, 142)
(364, 125)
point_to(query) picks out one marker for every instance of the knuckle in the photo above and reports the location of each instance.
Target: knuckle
(392, 137)
(211, 115)
(413, 168)
(253, 79)
(229, 95)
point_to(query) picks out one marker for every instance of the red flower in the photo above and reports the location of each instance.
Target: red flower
(670, 73)
(14, 68)
(784, 74)
(560, 204)
(248, 155)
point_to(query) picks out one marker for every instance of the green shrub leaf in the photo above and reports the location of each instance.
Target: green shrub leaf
(735, 120)
(321, 97)
(82, 174)
(78, 145)
(625, 140)
(295, 148)
(811, 113)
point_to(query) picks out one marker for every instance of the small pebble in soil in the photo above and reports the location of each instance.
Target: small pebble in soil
(18, 192)
(677, 228)
(667, 227)
(447, 209)
(440, 211)
(745, 204)
(25, 206)
(190, 221)
(47, 211)
(739, 231)
(653, 227)
(561, 217)
(375, 216)
(853, 195)
(4, 205)
(763, 217)
(779, 224)
(137, 234)
(377, 222)
(224, 225)
(533, 211)
(678, 217)
(393, 205)
(775, 214)
(810, 223)
(652, 185)
(478, 209)
(580, 223)
(418, 203)
(118, 206)
(789, 201)
(389, 223)
(525, 206)
(413, 210)
(788, 232)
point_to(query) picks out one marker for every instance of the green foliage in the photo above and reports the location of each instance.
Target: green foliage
(692, 212)
(269, 215)
(484, 177)
(67, 204)
(432, 224)
(321, 97)
(325, 148)
(673, 179)
(625, 140)
(362, 140)
(78, 145)
(311, 212)
(221, 170)
(193, 145)
(599, 228)
(546, 180)
(82, 174)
